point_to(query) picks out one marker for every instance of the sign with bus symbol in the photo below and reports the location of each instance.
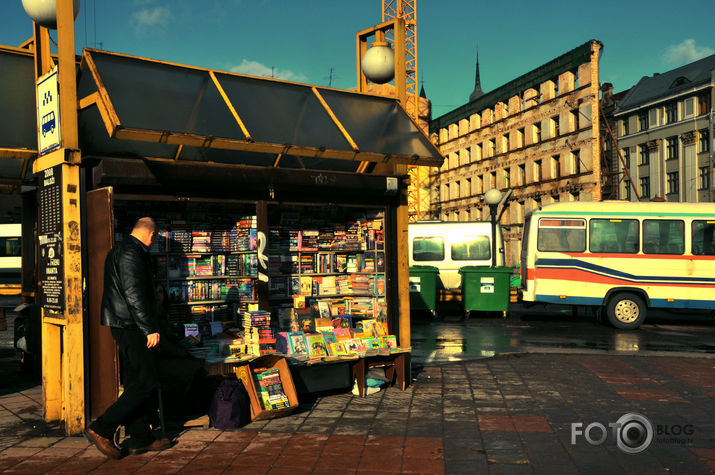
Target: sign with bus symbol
(48, 112)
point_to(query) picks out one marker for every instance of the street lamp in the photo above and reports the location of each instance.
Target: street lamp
(493, 197)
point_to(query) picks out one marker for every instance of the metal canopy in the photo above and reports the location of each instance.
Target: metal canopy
(136, 107)
(170, 111)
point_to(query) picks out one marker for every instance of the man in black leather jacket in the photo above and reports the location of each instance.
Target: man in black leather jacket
(129, 308)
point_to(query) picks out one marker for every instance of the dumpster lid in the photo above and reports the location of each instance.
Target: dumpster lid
(424, 269)
(497, 270)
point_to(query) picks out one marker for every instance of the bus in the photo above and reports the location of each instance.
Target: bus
(451, 245)
(620, 257)
(10, 250)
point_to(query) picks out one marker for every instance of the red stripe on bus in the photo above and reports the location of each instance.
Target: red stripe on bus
(579, 275)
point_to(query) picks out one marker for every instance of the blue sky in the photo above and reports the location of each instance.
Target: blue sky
(302, 40)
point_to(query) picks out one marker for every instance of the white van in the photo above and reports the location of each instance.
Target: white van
(450, 245)
(10, 250)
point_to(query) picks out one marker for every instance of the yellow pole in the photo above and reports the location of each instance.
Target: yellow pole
(63, 393)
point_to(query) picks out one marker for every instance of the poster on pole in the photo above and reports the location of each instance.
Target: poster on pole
(52, 290)
(48, 112)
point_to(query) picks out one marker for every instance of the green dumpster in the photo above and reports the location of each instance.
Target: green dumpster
(423, 288)
(485, 288)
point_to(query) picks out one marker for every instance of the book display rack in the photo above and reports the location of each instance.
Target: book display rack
(332, 258)
(205, 257)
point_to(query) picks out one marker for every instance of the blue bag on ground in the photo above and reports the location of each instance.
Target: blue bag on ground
(230, 407)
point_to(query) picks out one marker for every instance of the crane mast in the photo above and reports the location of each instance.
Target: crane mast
(407, 10)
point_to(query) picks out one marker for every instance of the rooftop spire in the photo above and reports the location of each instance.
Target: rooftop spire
(477, 83)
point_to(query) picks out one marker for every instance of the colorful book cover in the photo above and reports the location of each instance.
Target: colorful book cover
(329, 337)
(343, 321)
(306, 286)
(297, 343)
(323, 324)
(282, 344)
(381, 329)
(324, 309)
(299, 301)
(343, 333)
(316, 345)
(389, 341)
(336, 348)
(368, 326)
(374, 343)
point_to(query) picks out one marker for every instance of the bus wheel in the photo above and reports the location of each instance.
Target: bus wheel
(626, 311)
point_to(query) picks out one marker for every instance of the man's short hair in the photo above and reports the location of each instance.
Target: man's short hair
(147, 224)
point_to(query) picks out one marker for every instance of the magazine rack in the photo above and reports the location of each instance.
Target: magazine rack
(245, 373)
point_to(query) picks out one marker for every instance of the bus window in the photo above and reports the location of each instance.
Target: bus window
(472, 248)
(613, 235)
(662, 236)
(9, 247)
(428, 249)
(561, 235)
(703, 238)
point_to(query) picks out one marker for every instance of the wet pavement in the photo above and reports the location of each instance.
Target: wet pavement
(488, 396)
(557, 329)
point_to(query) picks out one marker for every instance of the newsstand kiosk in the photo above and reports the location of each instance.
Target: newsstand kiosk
(211, 156)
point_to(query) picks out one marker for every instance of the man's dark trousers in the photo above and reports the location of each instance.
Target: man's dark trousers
(141, 379)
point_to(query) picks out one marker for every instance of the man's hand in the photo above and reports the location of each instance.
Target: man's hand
(152, 340)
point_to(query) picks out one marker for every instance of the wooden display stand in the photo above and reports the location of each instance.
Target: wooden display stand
(245, 373)
(397, 367)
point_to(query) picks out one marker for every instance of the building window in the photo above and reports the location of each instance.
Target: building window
(645, 187)
(555, 126)
(504, 144)
(704, 178)
(627, 157)
(704, 140)
(537, 171)
(627, 184)
(672, 182)
(555, 166)
(507, 178)
(624, 126)
(492, 147)
(689, 106)
(576, 162)
(671, 112)
(520, 138)
(480, 184)
(703, 103)
(476, 152)
(522, 174)
(642, 121)
(537, 132)
(493, 180)
(468, 188)
(671, 149)
(643, 151)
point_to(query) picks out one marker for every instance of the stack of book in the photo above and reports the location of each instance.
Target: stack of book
(243, 235)
(309, 240)
(200, 241)
(258, 333)
(221, 240)
(180, 238)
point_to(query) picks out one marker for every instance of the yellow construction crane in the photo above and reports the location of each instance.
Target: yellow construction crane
(407, 10)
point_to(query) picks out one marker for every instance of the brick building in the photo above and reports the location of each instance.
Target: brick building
(537, 135)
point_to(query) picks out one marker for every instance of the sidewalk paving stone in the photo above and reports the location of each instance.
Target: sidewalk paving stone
(508, 414)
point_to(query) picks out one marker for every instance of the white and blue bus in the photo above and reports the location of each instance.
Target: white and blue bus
(620, 257)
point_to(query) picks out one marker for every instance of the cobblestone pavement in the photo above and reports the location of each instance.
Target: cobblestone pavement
(507, 414)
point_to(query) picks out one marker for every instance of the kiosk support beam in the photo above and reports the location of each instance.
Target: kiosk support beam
(63, 382)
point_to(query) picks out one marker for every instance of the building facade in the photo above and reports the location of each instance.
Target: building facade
(537, 136)
(665, 129)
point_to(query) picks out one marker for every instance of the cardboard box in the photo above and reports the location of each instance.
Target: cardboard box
(245, 373)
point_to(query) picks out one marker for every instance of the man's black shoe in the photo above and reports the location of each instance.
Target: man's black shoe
(156, 446)
(105, 445)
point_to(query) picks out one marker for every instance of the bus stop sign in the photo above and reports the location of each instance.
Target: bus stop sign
(48, 112)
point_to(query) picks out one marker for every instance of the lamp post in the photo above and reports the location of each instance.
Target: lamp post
(493, 197)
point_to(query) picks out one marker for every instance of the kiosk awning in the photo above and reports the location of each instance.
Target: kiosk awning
(136, 107)
(156, 109)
